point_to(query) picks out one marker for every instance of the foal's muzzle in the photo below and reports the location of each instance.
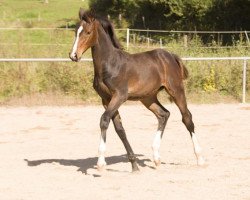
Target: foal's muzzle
(74, 57)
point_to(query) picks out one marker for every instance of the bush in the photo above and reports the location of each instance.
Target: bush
(27, 79)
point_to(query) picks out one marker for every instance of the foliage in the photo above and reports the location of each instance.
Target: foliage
(208, 83)
(22, 79)
(178, 14)
(75, 79)
(229, 15)
(122, 12)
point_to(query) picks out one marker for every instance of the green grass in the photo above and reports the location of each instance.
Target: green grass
(36, 13)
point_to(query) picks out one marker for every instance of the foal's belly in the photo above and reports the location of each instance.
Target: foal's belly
(141, 91)
(137, 97)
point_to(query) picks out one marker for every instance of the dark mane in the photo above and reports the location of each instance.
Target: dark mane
(107, 26)
(109, 29)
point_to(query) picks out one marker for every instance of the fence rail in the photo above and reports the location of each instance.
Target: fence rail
(41, 59)
(90, 59)
(124, 29)
(244, 69)
(131, 32)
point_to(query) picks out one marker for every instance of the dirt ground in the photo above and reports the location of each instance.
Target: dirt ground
(51, 153)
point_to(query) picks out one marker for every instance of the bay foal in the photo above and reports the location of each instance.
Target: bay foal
(120, 76)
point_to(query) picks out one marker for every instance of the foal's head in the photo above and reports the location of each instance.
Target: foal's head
(85, 34)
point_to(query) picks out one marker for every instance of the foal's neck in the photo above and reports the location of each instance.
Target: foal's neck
(103, 50)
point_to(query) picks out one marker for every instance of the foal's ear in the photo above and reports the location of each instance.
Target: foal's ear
(81, 13)
(92, 15)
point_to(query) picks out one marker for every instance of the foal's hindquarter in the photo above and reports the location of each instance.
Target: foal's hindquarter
(120, 76)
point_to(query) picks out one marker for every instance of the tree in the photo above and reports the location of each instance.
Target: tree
(177, 14)
(229, 15)
(121, 11)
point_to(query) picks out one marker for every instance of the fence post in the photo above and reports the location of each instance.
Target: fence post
(244, 81)
(247, 37)
(148, 41)
(127, 38)
(160, 43)
(185, 39)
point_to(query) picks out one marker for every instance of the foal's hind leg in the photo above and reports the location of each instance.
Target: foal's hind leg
(180, 100)
(162, 115)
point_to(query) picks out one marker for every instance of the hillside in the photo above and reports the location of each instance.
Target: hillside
(36, 13)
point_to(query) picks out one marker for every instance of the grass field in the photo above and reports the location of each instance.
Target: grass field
(209, 82)
(36, 13)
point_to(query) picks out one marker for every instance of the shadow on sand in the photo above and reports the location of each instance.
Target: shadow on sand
(89, 163)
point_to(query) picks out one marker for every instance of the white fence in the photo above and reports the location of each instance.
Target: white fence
(218, 33)
(244, 69)
(128, 33)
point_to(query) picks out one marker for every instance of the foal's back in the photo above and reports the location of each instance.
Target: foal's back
(147, 72)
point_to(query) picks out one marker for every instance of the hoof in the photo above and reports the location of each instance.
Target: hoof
(134, 172)
(101, 167)
(157, 163)
(135, 168)
(201, 161)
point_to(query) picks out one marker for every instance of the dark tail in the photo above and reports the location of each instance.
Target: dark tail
(184, 71)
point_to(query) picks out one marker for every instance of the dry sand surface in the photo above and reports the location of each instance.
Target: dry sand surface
(51, 153)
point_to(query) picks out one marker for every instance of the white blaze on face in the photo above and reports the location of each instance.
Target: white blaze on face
(156, 146)
(74, 49)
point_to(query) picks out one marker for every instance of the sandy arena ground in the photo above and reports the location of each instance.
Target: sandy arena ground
(51, 152)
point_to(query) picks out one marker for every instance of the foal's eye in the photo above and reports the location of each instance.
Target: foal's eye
(88, 32)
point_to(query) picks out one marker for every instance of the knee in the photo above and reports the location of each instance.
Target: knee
(104, 122)
(164, 116)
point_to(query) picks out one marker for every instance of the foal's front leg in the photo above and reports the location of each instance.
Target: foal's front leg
(112, 107)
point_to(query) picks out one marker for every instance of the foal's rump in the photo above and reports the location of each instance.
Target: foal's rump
(184, 71)
(172, 63)
(175, 72)
(168, 65)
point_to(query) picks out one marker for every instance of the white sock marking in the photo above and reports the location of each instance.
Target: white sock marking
(156, 145)
(197, 150)
(74, 49)
(102, 149)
